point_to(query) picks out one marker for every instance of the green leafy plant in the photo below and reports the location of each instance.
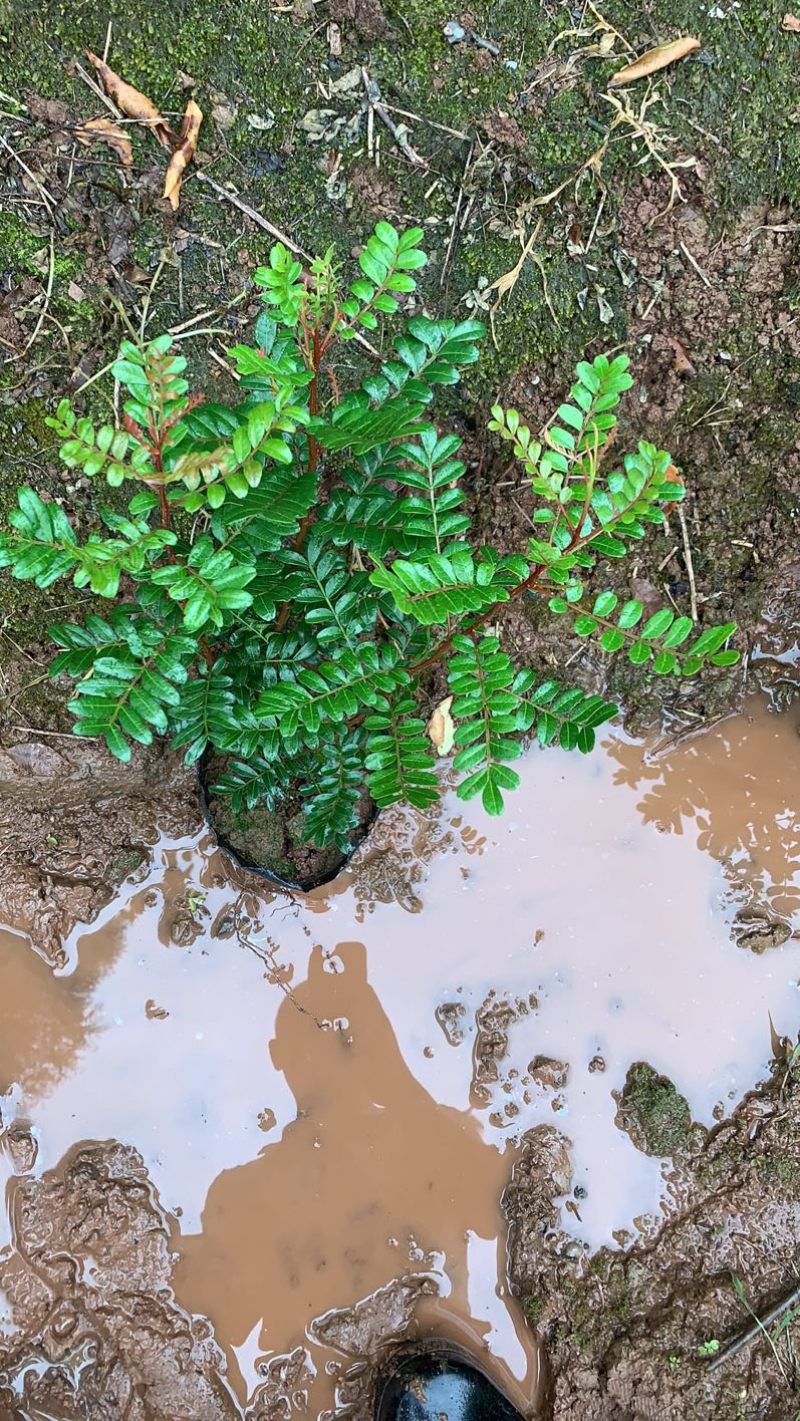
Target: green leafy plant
(291, 569)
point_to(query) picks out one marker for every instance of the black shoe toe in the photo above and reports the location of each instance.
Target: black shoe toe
(437, 1381)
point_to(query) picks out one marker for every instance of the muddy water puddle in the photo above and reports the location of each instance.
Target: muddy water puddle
(328, 1095)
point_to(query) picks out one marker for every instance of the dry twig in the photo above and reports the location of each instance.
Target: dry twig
(373, 94)
(687, 557)
(254, 216)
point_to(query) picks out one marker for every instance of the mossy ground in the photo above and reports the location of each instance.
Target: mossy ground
(729, 111)
(654, 1113)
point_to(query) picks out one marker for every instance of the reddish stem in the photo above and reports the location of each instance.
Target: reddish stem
(444, 646)
(164, 502)
(157, 451)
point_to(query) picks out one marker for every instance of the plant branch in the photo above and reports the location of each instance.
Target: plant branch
(445, 645)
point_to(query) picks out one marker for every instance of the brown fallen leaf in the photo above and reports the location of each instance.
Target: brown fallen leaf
(132, 102)
(183, 154)
(104, 130)
(654, 59)
(791, 23)
(681, 363)
(441, 729)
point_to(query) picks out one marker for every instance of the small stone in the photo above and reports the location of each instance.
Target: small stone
(549, 1073)
(454, 33)
(22, 1149)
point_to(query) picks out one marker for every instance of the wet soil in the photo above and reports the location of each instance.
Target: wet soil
(324, 1172)
(74, 825)
(585, 997)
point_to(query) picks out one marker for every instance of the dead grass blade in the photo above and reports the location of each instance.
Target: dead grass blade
(655, 141)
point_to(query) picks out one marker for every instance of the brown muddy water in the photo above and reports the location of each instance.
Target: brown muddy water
(328, 1094)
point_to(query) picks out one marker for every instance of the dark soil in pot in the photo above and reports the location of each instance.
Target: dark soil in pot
(273, 842)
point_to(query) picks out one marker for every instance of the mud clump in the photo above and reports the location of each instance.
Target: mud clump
(75, 823)
(364, 17)
(653, 1113)
(97, 1331)
(627, 1332)
(548, 1073)
(362, 1330)
(758, 931)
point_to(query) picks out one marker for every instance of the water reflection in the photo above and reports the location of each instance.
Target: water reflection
(736, 787)
(371, 1179)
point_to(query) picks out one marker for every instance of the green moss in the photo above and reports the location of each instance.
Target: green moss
(736, 91)
(593, 1328)
(657, 1117)
(781, 1170)
(533, 1309)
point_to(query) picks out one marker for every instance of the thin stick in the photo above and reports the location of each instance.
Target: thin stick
(50, 201)
(374, 100)
(254, 216)
(226, 366)
(101, 95)
(48, 293)
(702, 274)
(456, 210)
(192, 321)
(57, 734)
(760, 1325)
(107, 44)
(687, 557)
(420, 118)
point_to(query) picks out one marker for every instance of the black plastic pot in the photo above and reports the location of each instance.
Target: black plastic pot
(278, 880)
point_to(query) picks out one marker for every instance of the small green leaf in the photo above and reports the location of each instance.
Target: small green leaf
(655, 627)
(630, 614)
(605, 604)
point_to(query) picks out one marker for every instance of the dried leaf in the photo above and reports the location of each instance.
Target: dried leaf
(791, 23)
(223, 115)
(441, 729)
(76, 292)
(104, 130)
(187, 142)
(681, 363)
(262, 123)
(655, 59)
(132, 103)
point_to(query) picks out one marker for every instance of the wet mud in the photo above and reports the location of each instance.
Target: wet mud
(74, 825)
(488, 1084)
